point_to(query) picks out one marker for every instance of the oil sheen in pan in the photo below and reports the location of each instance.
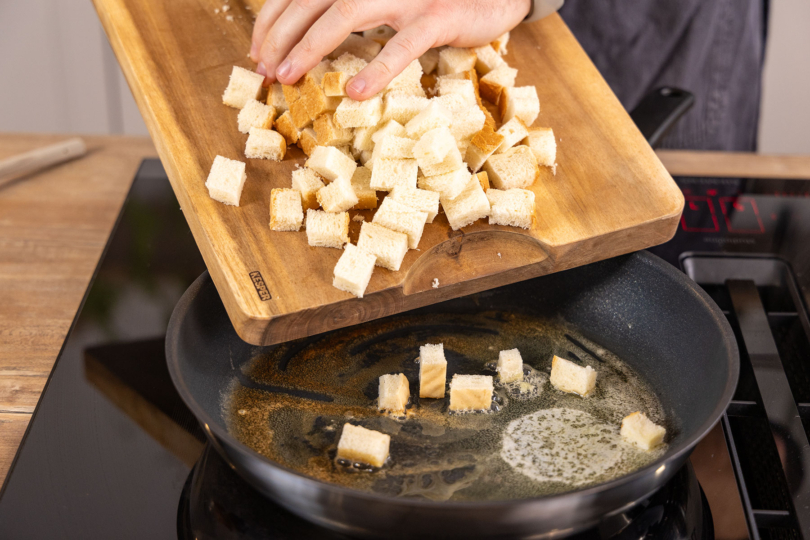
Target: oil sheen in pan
(291, 403)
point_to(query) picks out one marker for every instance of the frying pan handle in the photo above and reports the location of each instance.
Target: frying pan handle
(659, 111)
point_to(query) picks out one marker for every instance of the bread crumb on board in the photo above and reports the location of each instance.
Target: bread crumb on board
(225, 8)
(435, 283)
(359, 218)
(229, 18)
(216, 11)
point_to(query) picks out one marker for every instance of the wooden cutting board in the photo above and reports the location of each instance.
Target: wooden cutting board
(611, 195)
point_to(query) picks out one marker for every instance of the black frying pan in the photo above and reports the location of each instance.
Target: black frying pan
(638, 306)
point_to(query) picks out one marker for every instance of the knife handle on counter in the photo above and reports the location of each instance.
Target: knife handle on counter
(41, 158)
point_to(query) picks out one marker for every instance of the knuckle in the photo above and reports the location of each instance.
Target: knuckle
(383, 68)
(306, 46)
(405, 46)
(348, 9)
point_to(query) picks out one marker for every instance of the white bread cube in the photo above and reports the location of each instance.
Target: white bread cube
(275, 98)
(483, 144)
(510, 365)
(359, 46)
(455, 104)
(515, 168)
(543, 144)
(641, 431)
(414, 89)
(433, 147)
(243, 86)
(325, 229)
(569, 377)
(487, 59)
(513, 207)
(286, 213)
(353, 270)
(334, 83)
(388, 246)
(347, 151)
(390, 127)
(265, 144)
(360, 445)
(398, 217)
(513, 132)
(431, 117)
(330, 163)
(365, 159)
(450, 85)
(353, 114)
(338, 196)
(308, 140)
(349, 64)
(452, 162)
(471, 393)
(366, 195)
(362, 140)
(255, 114)
(432, 371)
(448, 185)
(521, 102)
(287, 128)
(402, 108)
(469, 206)
(329, 133)
(500, 44)
(389, 173)
(429, 61)
(493, 84)
(418, 199)
(393, 393)
(380, 34)
(456, 60)
(410, 77)
(393, 147)
(226, 180)
(307, 182)
(468, 124)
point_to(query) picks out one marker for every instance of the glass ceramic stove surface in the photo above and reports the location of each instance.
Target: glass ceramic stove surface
(112, 452)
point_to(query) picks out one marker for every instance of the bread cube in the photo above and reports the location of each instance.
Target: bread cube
(225, 180)
(489, 120)
(308, 140)
(513, 207)
(402, 108)
(456, 60)
(388, 246)
(410, 77)
(543, 144)
(330, 162)
(349, 64)
(493, 84)
(487, 59)
(483, 179)
(362, 140)
(513, 132)
(243, 85)
(500, 44)
(389, 173)
(431, 117)
(334, 83)
(325, 229)
(265, 144)
(429, 61)
(450, 85)
(353, 270)
(338, 196)
(452, 162)
(275, 98)
(398, 217)
(641, 431)
(381, 34)
(317, 73)
(287, 128)
(286, 213)
(569, 377)
(448, 185)
(471, 393)
(299, 114)
(359, 46)
(328, 133)
(468, 124)
(351, 113)
(483, 144)
(433, 147)
(292, 92)
(255, 114)
(469, 206)
(393, 147)
(361, 445)
(418, 199)
(515, 168)
(390, 127)
(366, 195)
(316, 101)
(521, 102)
(307, 182)
(510, 365)
(432, 371)
(393, 393)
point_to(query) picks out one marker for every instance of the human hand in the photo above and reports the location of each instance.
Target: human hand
(290, 37)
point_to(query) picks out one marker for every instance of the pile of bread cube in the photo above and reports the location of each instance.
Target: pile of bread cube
(427, 140)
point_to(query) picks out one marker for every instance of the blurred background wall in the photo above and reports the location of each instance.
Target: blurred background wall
(58, 74)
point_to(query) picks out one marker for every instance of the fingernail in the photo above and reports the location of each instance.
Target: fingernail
(261, 70)
(358, 85)
(284, 69)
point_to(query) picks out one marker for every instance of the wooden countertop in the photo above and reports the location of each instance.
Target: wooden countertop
(54, 225)
(53, 228)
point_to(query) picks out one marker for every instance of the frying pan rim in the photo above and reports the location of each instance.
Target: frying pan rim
(213, 428)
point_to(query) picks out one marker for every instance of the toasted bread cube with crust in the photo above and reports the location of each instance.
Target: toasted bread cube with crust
(543, 144)
(390, 127)
(381, 34)
(432, 371)
(433, 147)
(226, 180)
(398, 217)
(255, 114)
(317, 73)
(483, 144)
(448, 185)
(468, 207)
(359, 46)
(325, 229)
(308, 140)
(328, 133)
(308, 183)
(641, 431)
(521, 102)
(286, 213)
(360, 445)
(431, 117)
(403, 108)
(452, 162)
(366, 195)
(569, 377)
(243, 86)
(388, 246)
(265, 144)
(349, 64)
(418, 199)
(314, 100)
(500, 44)
(393, 393)
(429, 61)
(393, 147)
(338, 196)
(299, 114)
(487, 59)
(353, 270)
(513, 132)
(471, 393)
(292, 92)
(483, 179)
(334, 83)
(515, 168)
(275, 98)
(493, 84)
(456, 60)
(510, 366)
(351, 113)
(287, 128)
(330, 162)
(390, 173)
(513, 207)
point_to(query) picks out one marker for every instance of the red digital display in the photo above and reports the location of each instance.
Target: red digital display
(741, 215)
(699, 215)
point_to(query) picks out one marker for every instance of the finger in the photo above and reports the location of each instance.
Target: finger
(270, 12)
(406, 46)
(287, 31)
